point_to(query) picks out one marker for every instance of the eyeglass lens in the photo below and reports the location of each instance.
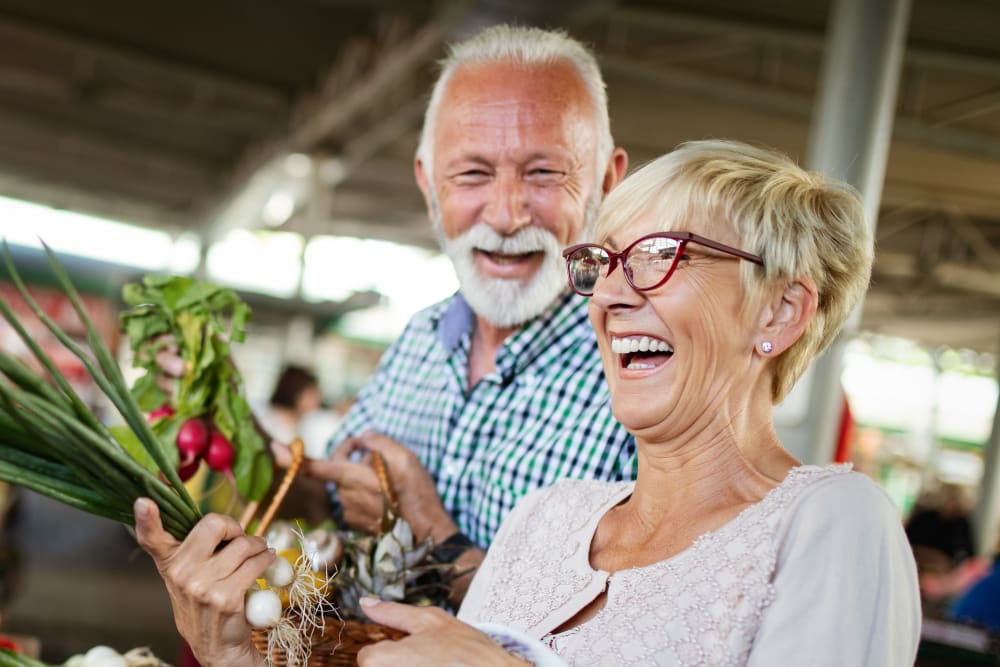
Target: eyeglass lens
(646, 264)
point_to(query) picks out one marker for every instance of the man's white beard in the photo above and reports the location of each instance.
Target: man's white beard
(501, 301)
(507, 302)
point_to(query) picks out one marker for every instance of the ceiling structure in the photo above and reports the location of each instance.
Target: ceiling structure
(190, 116)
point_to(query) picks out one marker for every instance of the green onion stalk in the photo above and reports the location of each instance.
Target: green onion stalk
(52, 443)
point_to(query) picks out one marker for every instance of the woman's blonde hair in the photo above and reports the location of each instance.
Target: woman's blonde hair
(802, 223)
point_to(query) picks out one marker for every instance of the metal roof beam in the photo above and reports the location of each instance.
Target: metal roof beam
(667, 20)
(774, 100)
(139, 65)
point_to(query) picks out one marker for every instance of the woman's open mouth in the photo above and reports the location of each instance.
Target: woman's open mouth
(641, 352)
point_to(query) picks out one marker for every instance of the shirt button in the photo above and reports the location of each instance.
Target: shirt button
(452, 468)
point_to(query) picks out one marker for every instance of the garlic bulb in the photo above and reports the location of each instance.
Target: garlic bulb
(281, 535)
(323, 548)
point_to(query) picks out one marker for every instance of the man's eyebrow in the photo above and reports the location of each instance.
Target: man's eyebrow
(547, 155)
(464, 159)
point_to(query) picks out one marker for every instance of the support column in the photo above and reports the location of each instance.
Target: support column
(987, 512)
(849, 139)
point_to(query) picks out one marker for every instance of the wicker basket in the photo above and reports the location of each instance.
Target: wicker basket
(338, 644)
(340, 641)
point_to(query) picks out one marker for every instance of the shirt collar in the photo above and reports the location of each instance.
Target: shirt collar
(456, 320)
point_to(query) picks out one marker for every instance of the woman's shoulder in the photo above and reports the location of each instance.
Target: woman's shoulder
(836, 508)
(838, 489)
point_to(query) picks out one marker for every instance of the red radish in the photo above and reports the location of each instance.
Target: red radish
(165, 410)
(192, 438)
(219, 455)
(187, 470)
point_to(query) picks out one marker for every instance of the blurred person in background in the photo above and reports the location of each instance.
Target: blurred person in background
(296, 393)
(296, 409)
(939, 531)
(940, 527)
(980, 604)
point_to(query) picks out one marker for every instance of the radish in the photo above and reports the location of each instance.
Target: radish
(219, 455)
(192, 439)
(187, 469)
(165, 410)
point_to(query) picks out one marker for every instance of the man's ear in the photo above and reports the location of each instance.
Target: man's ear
(617, 166)
(785, 317)
(424, 184)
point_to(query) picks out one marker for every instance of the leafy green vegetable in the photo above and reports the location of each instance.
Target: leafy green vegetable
(202, 319)
(52, 443)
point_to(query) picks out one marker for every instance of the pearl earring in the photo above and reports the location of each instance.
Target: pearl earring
(766, 347)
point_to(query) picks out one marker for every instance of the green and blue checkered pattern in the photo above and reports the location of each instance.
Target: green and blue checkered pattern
(543, 415)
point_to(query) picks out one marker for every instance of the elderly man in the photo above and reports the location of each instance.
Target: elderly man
(497, 390)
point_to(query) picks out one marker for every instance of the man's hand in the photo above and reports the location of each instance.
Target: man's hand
(436, 639)
(207, 586)
(359, 491)
(418, 498)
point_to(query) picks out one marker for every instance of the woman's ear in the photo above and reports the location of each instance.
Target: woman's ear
(785, 317)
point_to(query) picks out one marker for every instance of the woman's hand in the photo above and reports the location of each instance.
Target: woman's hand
(436, 639)
(207, 586)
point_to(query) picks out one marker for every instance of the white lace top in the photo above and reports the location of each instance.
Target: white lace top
(817, 573)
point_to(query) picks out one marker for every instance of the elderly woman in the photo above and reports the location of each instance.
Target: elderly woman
(720, 271)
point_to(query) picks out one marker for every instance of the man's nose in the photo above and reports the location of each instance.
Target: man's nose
(508, 208)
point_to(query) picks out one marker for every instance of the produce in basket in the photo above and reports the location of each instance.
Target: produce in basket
(392, 565)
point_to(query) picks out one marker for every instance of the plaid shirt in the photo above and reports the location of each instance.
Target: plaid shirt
(542, 415)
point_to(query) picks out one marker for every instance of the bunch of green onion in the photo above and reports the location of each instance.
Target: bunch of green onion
(52, 443)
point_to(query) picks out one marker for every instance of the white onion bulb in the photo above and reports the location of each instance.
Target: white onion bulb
(280, 574)
(263, 608)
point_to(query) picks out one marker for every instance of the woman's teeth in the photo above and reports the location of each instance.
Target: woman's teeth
(639, 344)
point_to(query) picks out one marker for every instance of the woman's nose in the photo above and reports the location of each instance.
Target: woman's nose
(612, 290)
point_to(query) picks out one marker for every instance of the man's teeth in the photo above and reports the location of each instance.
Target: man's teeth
(639, 344)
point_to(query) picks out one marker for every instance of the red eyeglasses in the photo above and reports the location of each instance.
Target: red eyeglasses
(647, 263)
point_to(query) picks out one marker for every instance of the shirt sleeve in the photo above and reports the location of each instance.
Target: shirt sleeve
(845, 584)
(482, 581)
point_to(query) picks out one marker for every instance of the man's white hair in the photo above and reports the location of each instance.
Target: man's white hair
(523, 46)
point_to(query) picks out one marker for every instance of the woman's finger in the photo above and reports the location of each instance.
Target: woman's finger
(408, 618)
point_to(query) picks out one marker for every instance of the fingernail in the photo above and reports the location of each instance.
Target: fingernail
(142, 508)
(369, 601)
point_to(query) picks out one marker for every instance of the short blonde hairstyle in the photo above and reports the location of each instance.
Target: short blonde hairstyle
(802, 223)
